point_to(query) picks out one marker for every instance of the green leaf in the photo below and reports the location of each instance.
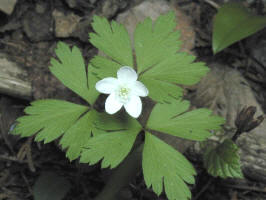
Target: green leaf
(78, 135)
(174, 120)
(50, 186)
(111, 147)
(104, 67)
(159, 64)
(154, 44)
(70, 70)
(49, 119)
(232, 23)
(113, 40)
(164, 166)
(178, 69)
(162, 91)
(223, 160)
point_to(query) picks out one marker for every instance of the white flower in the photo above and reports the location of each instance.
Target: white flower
(124, 90)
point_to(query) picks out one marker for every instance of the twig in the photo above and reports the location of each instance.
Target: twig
(213, 4)
(12, 158)
(255, 189)
(25, 152)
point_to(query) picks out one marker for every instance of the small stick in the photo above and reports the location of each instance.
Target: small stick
(213, 4)
(255, 189)
(11, 158)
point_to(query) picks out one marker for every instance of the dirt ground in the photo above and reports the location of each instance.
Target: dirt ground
(28, 38)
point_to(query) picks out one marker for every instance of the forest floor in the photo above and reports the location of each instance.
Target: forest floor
(28, 37)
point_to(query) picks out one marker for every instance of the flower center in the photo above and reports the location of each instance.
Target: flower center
(124, 93)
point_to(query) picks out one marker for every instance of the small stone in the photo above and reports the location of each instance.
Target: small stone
(38, 27)
(7, 6)
(65, 25)
(110, 7)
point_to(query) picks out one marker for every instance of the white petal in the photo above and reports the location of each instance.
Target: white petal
(127, 74)
(140, 89)
(112, 105)
(134, 106)
(107, 85)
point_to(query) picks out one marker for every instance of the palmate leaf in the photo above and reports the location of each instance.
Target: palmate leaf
(159, 65)
(174, 120)
(164, 166)
(50, 119)
(113, 40)
(158, 61)
(70, 70)
(111, 147)
(223, 160)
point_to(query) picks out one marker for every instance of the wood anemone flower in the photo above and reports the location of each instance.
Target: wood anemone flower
(124, 90)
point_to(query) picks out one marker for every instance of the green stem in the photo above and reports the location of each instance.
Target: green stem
(122, 175)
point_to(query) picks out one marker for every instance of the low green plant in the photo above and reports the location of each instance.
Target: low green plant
(223, 160)
(95, 136)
